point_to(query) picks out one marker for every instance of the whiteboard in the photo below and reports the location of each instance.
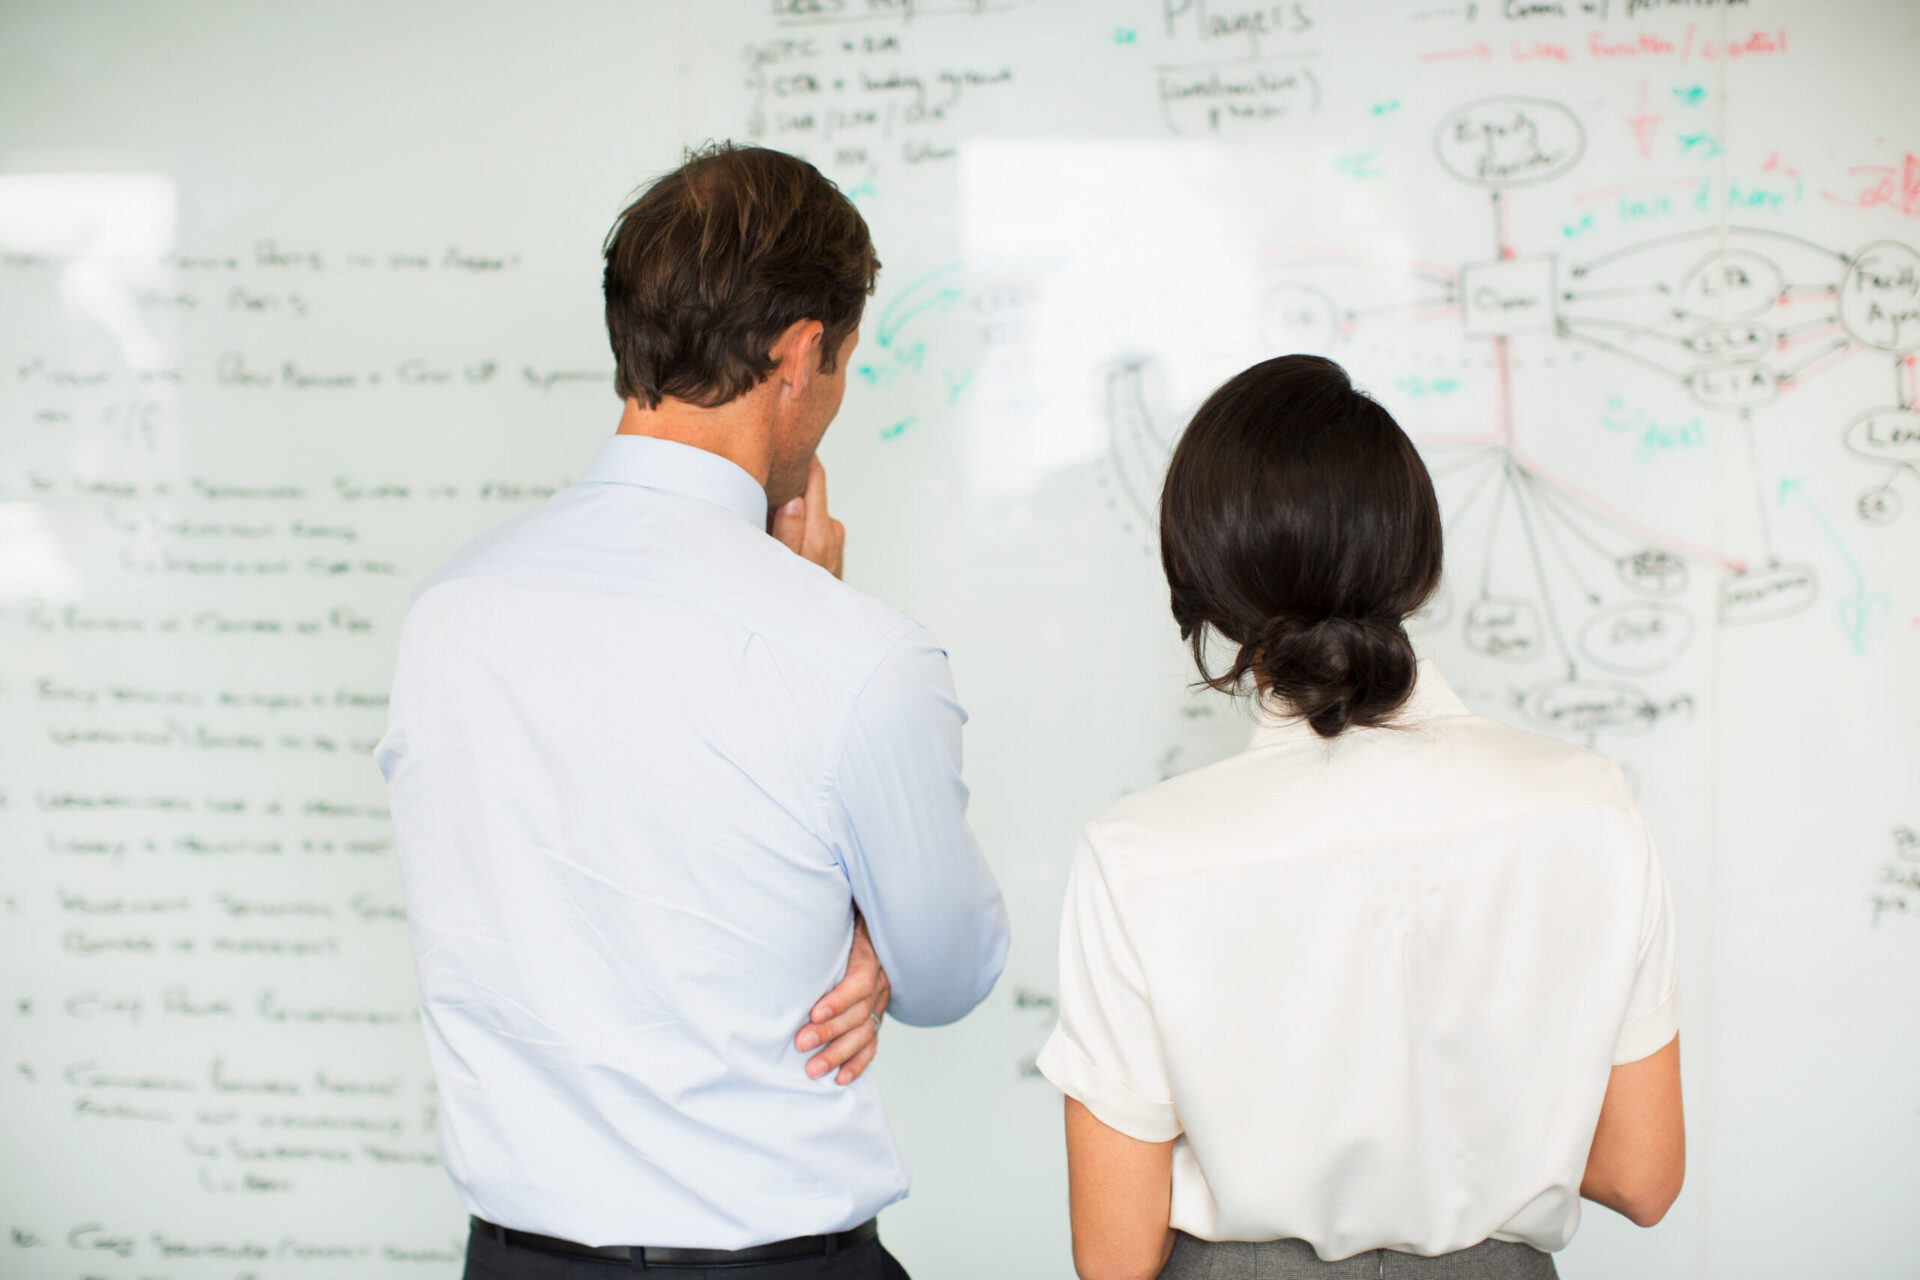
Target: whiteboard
(294, 300)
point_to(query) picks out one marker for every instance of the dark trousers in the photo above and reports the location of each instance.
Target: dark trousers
(1295, 1260)
(489, 1259)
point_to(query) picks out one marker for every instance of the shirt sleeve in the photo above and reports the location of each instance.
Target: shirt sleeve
(392, 747)
(897, 819)
(387, 752)
(1653, 1004)
(1105, 1052)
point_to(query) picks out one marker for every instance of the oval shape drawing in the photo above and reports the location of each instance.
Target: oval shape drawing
(1731, 284)
(1588, 706)
(1887, 435)
(1743, 341)
(1734, 386)
(1653, 572)
(1300, 318)
(1880, 506)
(1637, 638)
(1509, 142)
(1504, 628)
(1880, 297)
(1779, 592)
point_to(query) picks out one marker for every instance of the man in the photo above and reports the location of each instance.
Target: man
(657, 772)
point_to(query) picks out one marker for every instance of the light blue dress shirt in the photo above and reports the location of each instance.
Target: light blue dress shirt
(644, 761)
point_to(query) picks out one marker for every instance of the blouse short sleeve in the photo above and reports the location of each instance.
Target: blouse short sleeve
(1653, 1003)
(1105, 1052)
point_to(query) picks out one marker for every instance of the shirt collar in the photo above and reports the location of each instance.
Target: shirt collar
(673, 467)
(1431, 698)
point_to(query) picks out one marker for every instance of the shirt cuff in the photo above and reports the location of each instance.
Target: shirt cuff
(1650, 1032)
(1072, 1072)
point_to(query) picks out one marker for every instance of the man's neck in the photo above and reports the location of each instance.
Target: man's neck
(741, 430)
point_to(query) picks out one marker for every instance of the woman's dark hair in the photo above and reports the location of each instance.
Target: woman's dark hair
(1299, 523)
(713, 261)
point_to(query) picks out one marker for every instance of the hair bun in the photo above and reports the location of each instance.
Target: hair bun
(1336, 671)
(1298, 522)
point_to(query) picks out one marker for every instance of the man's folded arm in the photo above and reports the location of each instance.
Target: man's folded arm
(896, 813)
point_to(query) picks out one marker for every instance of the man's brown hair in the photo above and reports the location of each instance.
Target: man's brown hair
(715, 260)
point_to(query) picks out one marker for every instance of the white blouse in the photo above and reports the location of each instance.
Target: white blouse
(1371, 987)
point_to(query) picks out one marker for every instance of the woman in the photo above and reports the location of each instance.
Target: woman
(1398, 981)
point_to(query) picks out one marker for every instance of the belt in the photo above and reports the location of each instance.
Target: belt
(644, 1256)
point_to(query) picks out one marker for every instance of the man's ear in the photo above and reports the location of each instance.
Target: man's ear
(798, 351)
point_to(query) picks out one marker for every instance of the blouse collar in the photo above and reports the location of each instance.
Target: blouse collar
(1432, 698)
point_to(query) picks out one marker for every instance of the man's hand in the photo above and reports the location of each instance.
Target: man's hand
(847, 1019)
(806, 528)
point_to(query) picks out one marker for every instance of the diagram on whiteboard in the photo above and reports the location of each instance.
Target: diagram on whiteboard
(1558, 576)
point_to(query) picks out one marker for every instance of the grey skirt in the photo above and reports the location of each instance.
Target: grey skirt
(1295, 1260)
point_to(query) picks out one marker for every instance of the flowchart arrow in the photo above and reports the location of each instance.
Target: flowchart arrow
(1862, 612)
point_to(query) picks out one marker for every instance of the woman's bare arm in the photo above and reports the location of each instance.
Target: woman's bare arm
(1639, 1152)
(1120, 1192)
